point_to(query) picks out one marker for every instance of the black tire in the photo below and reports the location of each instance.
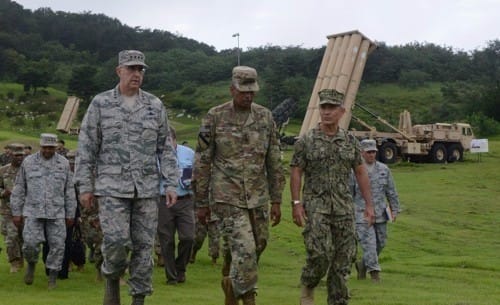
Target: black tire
(455, 153)
(387, 153)
(438, 153)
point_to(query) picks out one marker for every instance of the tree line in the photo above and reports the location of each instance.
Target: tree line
(77, 53)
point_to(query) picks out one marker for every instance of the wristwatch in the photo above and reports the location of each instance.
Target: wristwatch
(295, 202)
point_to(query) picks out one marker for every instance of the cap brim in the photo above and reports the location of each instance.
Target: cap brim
(248, 88)
(135, 63)
(323, 102)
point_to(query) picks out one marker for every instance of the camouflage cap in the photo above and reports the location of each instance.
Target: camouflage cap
(48, 139)
(331, 96)
(245, 79)
(131, 58)
(71, 156)
(369, 145)
(17, 148)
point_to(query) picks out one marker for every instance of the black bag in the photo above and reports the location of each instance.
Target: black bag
(77, 249)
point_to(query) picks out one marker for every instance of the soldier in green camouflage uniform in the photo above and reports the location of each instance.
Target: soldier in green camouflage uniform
(6, 156)
(238, 160)
(12, 235)
(325, 155)
(45, 195)
(210, 229)
(123, 133)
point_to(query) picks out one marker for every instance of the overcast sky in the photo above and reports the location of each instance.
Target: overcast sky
(461, 24)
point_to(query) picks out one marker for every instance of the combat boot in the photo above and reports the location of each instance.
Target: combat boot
(375, 275)
(192, 257)
(30, 274)
(98, 275)
(227, 287)
(138, 299)
(307, 296)
(112, 292)
(249, 298)
(361, 269)
(52, 279)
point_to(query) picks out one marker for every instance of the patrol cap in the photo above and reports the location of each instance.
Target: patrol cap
(369, 145)
(331, 96)
(17, 148)
(48, 139)
(131, 58)
(71, 156)
(245, 79)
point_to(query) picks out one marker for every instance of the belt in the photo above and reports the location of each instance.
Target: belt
(184, 197)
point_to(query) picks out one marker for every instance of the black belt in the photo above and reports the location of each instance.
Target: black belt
(184, 197)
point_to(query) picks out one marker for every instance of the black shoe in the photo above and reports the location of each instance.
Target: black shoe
(138, 299)
(181, 278)
(171, 282)
(30, 274)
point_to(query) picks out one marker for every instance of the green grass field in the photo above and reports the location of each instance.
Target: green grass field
(443, 249)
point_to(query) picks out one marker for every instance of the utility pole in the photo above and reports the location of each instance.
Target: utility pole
(237, 35)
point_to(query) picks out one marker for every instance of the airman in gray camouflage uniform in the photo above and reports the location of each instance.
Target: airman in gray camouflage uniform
(44, 194)
(123, 133)
(238, 161)
(373, 238)
(325, 155)
(12, 235)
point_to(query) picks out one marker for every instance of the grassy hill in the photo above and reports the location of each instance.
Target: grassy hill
(442, 250)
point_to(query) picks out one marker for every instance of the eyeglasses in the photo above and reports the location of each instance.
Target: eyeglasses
(371, 152)
(138, 68)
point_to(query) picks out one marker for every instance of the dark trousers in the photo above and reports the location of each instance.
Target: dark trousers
(178, 218)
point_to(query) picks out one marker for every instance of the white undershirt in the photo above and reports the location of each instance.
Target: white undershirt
(129, 101)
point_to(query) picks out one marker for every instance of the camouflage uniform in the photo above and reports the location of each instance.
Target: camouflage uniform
(44, 194)
(212, 230)
(5, 159)
(239, 162)
(117, 157)
(12, 235)
(329, 233)
(373, 238)
(92, 233)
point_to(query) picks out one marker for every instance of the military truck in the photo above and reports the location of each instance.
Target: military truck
(342, 69)
(436, 143)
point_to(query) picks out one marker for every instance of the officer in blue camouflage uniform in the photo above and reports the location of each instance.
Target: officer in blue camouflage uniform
(238, 162)
(373, 238)
(122, 134)
(12, 235)
(325, 156)
(44, 194)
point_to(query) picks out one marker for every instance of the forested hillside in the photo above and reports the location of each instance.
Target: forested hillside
(76, 53)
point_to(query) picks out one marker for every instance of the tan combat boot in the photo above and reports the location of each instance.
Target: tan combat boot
(307, 296)
(249, 298)
(227, 287)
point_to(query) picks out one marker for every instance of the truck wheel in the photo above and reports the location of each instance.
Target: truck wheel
(455, 153)
(388, 153)
(438, 153)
